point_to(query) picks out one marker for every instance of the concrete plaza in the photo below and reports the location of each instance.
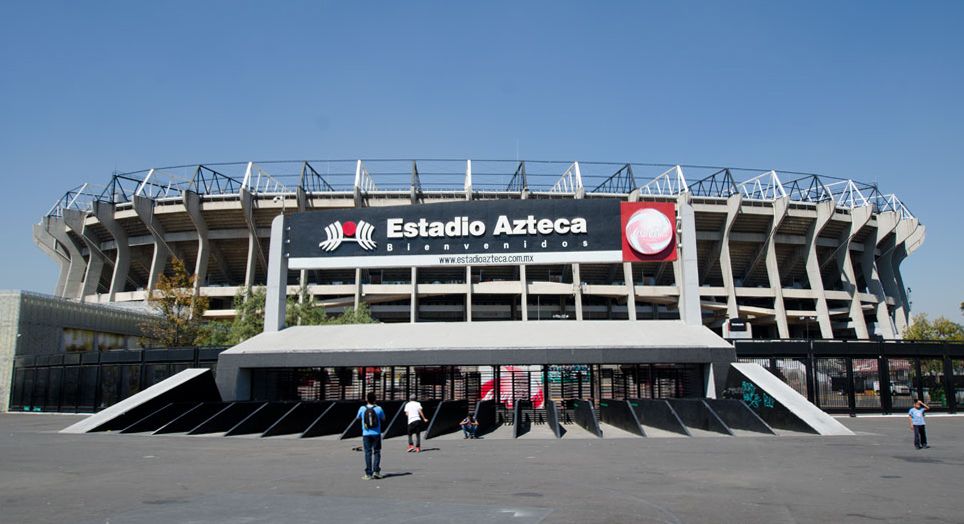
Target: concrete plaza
(876, 476)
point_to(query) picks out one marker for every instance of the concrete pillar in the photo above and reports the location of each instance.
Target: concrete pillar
(525, 293)
(885, 225)
(577, 290)
(825, 211)
(72, 288)
(630, 290)
(276, 294)
(301, 198)
(468, 180)
(726, 264)
(859, 217)
(414, 301)
(144, 207)
(122, 251)
(255, 252)
(48, 244)
(686, 267)
(468, 294)
(192, 202)
(908, 246)
(780, 206)
(905, 229)
(358, 287)
(76, 221)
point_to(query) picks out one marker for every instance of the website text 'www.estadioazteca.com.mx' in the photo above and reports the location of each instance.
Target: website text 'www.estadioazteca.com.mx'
(486, 259)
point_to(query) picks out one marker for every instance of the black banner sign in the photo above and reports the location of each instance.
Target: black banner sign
(465, 233)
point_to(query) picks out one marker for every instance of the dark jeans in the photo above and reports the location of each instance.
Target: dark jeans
(920, 436)
(469, 430)
(415, 428)
(373, 454)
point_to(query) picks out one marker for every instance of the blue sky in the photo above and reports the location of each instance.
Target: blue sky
(867, 90)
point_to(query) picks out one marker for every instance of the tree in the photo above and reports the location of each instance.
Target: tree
(249, 314)
(215, 333)
(359, 315)
(303, 310)
(940, 329)
(180, 311)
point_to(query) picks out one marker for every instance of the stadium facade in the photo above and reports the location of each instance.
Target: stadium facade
(762, 253)
(597, 294)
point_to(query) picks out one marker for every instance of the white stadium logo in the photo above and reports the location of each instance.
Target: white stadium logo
(360, 233)
(649, 232)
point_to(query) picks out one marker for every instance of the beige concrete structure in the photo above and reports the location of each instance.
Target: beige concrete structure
(795, 255)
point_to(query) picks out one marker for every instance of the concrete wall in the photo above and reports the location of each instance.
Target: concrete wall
(9, 316)
(33, 324)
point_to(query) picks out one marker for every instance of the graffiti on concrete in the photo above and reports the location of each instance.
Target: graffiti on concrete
(753, 398)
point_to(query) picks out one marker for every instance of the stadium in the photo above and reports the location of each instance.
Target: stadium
(792, 255)
(625, 298)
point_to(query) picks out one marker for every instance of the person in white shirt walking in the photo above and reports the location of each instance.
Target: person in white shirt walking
(413, 410)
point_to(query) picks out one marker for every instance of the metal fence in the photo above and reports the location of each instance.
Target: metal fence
(91, 381)
(858, 376)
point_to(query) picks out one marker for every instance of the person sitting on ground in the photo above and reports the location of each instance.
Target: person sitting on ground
(469, 426)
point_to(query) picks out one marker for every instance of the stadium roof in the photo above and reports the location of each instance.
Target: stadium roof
(485, 177)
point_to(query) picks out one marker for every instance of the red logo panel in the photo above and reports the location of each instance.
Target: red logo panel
(648, 231)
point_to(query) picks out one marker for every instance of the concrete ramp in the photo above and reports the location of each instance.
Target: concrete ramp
(698, 417)
(584, 415)
(619, 414)
(779, 405)
(190, 385)
(659, 415)
(298, 419)
(446, 419)
(335, 419)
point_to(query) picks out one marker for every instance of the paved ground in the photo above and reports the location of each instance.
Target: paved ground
(875, 476)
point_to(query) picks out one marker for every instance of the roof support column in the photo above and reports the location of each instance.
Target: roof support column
(75, 219)
(358, 287)
(780, 206)
(75, 273)
(577, 290)
(144, 207)
(525, 292)
(685, 266)
(255, 252)
(468, 293)
(48, 244)
(122, 252)
(468, 180)
(908, 246)
(302, 199)
(859, 217)
(885, 225)
(276, 294)
(905, 228)
(192, 202)
(825, 211)
(413, 317)
(630, 290)
(726, 264)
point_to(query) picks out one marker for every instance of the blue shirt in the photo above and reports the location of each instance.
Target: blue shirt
(916, 416)
(381, 418)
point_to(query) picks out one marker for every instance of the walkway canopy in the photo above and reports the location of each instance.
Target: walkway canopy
(472, 343)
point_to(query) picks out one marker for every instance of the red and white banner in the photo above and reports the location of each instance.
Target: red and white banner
(648, 231)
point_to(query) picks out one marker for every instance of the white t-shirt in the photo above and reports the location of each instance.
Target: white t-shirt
(411, 409)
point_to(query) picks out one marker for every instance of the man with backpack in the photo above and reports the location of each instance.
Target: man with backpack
(372, 417)
(415, 415)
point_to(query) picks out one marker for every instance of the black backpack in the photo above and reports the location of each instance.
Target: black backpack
(370, 418)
